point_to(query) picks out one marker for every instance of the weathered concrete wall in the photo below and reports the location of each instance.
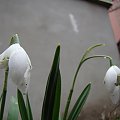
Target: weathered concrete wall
(76, 25)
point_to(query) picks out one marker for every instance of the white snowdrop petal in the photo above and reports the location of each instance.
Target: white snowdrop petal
(115, 95)
(18, 65)
(117, 70)
(4, 57)
(27, 78)
(3, 61)
(110, 79)
(11, 49)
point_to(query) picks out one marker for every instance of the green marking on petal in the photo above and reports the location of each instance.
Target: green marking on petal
(118, 81)
(14, 39)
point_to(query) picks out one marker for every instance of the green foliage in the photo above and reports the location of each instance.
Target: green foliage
(3, 95)
(52, 97)
(22, 107)
(118, 118)
(57, 98)
(79, 103)
(90, 49)
(13, 109)
(51, 103)
(2, 104)
(1, 98)
(60, 118)
(82, 60)
(28, 107)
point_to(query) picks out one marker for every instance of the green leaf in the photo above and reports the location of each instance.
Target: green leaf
(14, 39)
(22, 107)
(60, 118)
(57, 98)
(79, 103)
(50, 93)
(13, 109)
(1, 97)
(3, 104)
(28, 107)
(107, 1)
(4, 92)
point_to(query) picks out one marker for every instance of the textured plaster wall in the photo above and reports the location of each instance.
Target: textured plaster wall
(76, 25)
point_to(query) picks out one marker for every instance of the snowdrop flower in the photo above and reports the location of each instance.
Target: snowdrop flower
(19, 65)
(112, 83)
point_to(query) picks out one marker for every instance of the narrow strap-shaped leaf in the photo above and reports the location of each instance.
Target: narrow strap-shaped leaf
(3, 100)
(13, 109)
(28, 107)
(1, 97)
(60, 118)
(2, 104)
(48, 103)
(79, 103)
(57, 98)
(74, 79)
(22, 107)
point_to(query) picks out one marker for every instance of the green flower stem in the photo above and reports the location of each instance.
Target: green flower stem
(71, 90)
(102, 56)
(74, 80)
(90, 49)
(6, 79)
(4, 94)
(1, 97)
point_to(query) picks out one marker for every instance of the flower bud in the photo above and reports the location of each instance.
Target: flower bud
(19, 65)
(111, 82)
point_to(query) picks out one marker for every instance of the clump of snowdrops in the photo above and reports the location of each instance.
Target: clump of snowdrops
(17, 65)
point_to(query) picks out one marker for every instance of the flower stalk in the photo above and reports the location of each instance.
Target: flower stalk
(84, 58)
(14, 40)
(4, 94)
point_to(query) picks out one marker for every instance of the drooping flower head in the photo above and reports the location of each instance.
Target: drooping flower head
(112, 83)
(19, 65)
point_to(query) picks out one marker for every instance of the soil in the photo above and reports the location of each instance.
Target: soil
(100, 112)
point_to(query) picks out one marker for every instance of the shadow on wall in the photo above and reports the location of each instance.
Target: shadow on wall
(101, 2)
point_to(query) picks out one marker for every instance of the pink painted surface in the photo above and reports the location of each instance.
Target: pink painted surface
(115, 25)
(114, 14)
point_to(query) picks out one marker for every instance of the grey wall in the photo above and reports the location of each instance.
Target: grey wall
(41, 25)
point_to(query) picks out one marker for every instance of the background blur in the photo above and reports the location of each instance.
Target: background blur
(76, 25)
